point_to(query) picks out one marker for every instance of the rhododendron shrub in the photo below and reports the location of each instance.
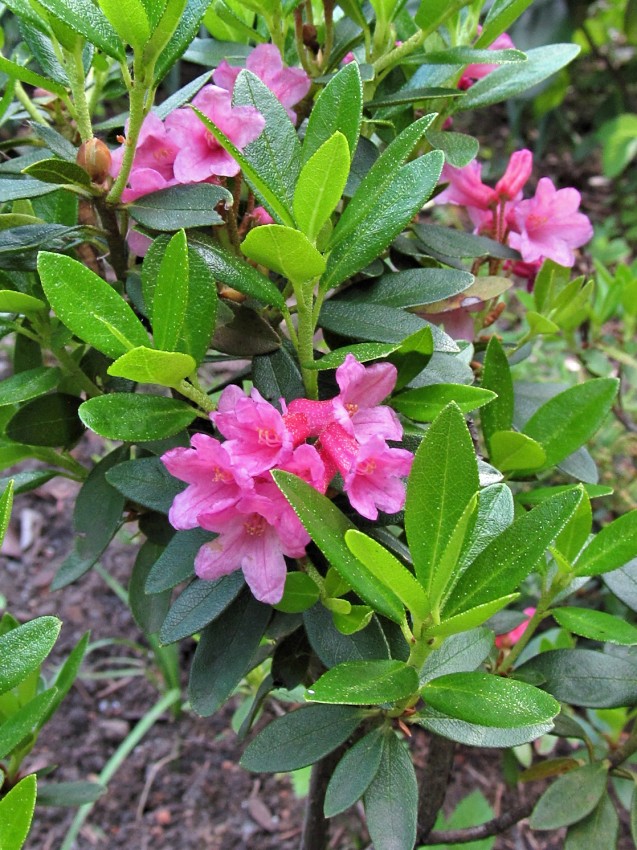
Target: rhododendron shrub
(310, 409)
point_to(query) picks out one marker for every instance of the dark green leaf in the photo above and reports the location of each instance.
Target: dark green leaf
(148, 610)
(200, 604)
(391, 799)
(596, 625)
(147, 482)
(410, 288)
(599, 829)
(494, 514)
(611, 549)
(499, 18)
(475, 735)
(181, 206)
(570, 797)
(496, 376)
(277, 375)
(27, 385)
(333, 647)
(176, 562)
(353, 773)
(179, 37)
(50, 420)
(365, 683)
(69, 793)
(98, 507)
(301, 738)
(458, 148)
(135, 418)
(224, 653)
(445, 242)
(460, 653)
(14, 189)
(338, 108)
(58, 171)
(623, 583)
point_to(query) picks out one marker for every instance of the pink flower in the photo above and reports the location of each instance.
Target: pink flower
(289, 85)
(466, 187)
(472, 73)
(215, 481)
(517, 173)
(254, 536)
(349, 57)
(153, 163)
(257, 437)
(199, 155)
(549, 225)
(506, 641)
(371, 470)
(260, 215)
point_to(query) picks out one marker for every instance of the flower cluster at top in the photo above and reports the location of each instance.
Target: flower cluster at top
(231, 491)
(548, 225)
(181, 150)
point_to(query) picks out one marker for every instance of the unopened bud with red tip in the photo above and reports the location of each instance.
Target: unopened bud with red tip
(516, 175)
(95, 158)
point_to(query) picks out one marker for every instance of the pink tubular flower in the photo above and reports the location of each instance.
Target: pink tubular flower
(153, 164)
(362, 388)
(517, 173)
(257, 437)
(509, 639)
(466, 188)
(371, 471)
(473, 73)
(200, 156)
(215, 481)
(549, 225)
(289, 85)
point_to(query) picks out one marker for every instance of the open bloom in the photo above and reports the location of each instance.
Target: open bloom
(289, 85)
(549, 225)
(153, 163)
(200, 156)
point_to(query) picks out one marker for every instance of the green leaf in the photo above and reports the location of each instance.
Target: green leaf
(18, 72)
(277, 375)
(85, 18)
(461, 653)
(58, 171)
(353, 773)
(148, 366)
(496, 376)
(25, 722)
(596, 625)
(327, 526)
(24, 648)
(619, 146)
(570, 418)
(69, 793)
(129, 20)
(181, 206)
(516, 552)
(489, 700)
(501, 15)
(511, 451)
(476, 735)
(570, 797)
(224, 653)
(147, 482)
(424, 404)
(6, 502)
(200, 604)
(443, 481)
(333, 647)
(382, 174)
(148, 610)
(177, 561)
(27, 385)
(471, 618)
(365, 683)
(16, 813)
(584, 677)
(410, 288)
(338, 109)
(391, 799)
(611, 549)
(89, 307)
(18, 302)
(376, 224)
(510, 80)
(320, 185)
(14, 189)
(445, 243)
(300, 593)
(284, 250)
(458, 148)
(171, 295)
(50, 420)
(623, 583)
(389, 570)
(300, 738)
(599, 829)
(236, 273)
(135, 418)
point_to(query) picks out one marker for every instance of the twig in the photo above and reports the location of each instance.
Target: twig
(483, 830)
(433, 788)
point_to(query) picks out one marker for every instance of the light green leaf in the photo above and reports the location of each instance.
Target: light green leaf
(24, 648)
(16, 813)
(18, 72)
(18, 302)
(511, 451)
(6, 502)
(365, 683)
(338, 108)
(320, 185)
(299, 594)
(129, 20)
(472, 618)
(496, 376)
(27, 385)
(171, 294)
(501, 15)
(85, 18)
(135, 418)
(612, 548)
(284, 250)
(148, 366)
(89, 307)
(424, 404)
(596, 625)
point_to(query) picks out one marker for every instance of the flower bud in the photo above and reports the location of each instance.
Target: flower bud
(95, 158)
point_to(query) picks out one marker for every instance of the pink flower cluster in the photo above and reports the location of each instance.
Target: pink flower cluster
(181, 149)
(548, 225)
(231, 491)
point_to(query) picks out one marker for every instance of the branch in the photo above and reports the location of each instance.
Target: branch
(433, 788)
(483, 830)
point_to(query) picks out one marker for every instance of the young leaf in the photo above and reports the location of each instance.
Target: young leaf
(496, 376)
(135, 418)
(511, 451)
(19, 72)
(501, 15)
(507, 560)
(171, 294)
(570, 797)
(300, 593)
(19, 302)
(148, 366)
(320, 185)
(577, 530)
(129, 20)
(612, 548)
(443, 481)
(284, 250)
(365, 683)
(472, 618)
(6, 502)
(16, 813)
(388, 569)
(596, 625)
(338, 108)
(489, 700)
(85, 18)
(391, 799)
(300, 738)
(353, 773)
(89, 307)
(24, 648)
(327, 526)
(423, 404)
(566, 421)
